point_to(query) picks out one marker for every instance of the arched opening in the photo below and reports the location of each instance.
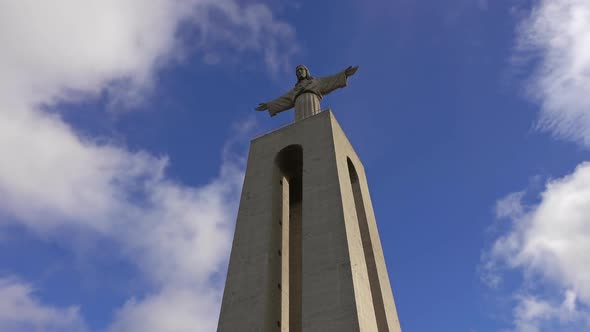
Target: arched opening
(368, 249)
(290, 165)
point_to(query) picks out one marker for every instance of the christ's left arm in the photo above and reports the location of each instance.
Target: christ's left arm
(330, 83)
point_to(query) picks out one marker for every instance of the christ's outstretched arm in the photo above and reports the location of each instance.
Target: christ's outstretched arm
(339, 80)
(278, 105)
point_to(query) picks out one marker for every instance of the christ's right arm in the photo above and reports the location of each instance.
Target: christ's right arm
(283, 103)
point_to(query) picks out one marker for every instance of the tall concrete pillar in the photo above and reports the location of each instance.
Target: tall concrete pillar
(306, 254)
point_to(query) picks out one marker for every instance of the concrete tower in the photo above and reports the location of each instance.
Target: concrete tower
(306, 253)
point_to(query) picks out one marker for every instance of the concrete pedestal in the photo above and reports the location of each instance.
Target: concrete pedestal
(306, 254)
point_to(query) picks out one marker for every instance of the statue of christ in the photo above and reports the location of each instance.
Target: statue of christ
(307, 93)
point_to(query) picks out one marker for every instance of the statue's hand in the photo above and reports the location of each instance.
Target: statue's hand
(262, 107)
(351, 70)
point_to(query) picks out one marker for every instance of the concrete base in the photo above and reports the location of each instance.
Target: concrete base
(306, 253)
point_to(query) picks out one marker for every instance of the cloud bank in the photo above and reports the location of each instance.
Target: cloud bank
(52, 179)
(548, 243)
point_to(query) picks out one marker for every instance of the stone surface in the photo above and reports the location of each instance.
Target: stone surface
(306, 254)
(307, 93)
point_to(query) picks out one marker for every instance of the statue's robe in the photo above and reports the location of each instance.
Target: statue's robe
(306, 95)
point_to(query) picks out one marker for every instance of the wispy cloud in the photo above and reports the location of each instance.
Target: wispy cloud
(247, 28)
(20, 311)
(533, 314)
(557, 37)
(52, 179)
(510, 206)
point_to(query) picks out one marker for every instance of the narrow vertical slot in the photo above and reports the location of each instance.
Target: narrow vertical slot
(290, 164)
(368, 250)
(295, 257)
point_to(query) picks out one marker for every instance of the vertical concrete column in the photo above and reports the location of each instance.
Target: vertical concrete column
(284, 222)
(368, 250)
(377, 270)
(380, 266)
(252, 299)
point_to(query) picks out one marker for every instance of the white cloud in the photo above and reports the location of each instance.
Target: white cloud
(52, 49)
(533, 315)
(52, 179)
(170, 310)
(251, 27)
(21, 312)
(558, 34)
(549, 243)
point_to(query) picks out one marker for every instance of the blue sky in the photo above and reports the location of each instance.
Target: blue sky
(124, 127)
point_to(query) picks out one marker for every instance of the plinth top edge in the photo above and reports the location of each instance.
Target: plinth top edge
(328, 110)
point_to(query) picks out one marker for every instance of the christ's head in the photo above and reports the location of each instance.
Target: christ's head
(302, 72)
